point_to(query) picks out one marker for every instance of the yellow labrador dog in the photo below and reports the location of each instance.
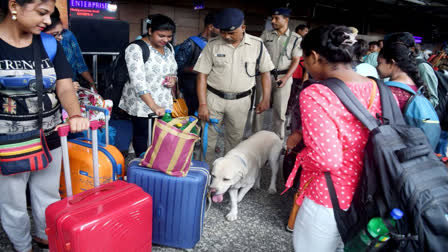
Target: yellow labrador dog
(239, 170)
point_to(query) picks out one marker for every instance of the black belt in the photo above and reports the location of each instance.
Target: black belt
(229, 96)
(274, 72)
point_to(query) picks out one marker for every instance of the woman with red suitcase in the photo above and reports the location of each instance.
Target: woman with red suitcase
(39, 162)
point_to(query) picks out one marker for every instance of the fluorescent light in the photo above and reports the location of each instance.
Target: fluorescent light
(112, 7)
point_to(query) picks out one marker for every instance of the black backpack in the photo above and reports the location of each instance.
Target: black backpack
(117, 75)
(442, 94)
(400, 171)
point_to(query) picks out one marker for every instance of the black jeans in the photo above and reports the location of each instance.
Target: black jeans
(140, 134)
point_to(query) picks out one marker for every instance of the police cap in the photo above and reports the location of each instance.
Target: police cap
(229, 19)
(282, 11)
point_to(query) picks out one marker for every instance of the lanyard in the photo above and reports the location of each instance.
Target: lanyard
(283, 52)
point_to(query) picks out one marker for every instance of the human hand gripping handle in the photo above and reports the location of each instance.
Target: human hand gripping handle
(159, 111)
(214, 122)
(78, 123)
(203, 112)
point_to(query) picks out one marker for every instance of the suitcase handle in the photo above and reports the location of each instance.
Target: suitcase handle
(106, 114)
(63, 131)
(151, 117)
(90, 193)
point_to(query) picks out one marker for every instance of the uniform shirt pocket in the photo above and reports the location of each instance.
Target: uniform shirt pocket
(221, 62)
(221, 59)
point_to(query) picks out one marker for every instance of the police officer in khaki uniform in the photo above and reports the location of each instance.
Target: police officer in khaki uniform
(226, 75)
(284, 47)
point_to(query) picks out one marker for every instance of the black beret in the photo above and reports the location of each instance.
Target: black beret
(229, 19)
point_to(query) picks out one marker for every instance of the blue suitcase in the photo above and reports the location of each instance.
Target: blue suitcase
(178, 202)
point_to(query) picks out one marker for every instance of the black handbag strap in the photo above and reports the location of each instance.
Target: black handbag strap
(338, 212)
(39, 82)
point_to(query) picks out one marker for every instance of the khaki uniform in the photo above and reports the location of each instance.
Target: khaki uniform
(230, 70)
(280, 96)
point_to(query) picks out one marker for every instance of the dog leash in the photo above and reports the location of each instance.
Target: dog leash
(209, 201)
(214, 122)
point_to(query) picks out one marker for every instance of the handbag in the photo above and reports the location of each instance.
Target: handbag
(180, 108)
(295, 207)
(172, 148)
(27, 151)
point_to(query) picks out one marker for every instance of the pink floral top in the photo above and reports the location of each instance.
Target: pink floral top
(402, 95)
(335, 142)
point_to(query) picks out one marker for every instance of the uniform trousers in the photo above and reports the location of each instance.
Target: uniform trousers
(280, 98)
(44, 190)
(234, 115)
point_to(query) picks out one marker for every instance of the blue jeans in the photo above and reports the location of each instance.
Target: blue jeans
(442, 148)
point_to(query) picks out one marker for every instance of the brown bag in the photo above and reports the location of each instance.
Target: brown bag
(296, 207)
(180, 108)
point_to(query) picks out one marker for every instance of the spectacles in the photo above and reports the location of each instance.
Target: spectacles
(57, 34)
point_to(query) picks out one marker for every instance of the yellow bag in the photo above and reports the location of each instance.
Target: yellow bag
(180, 108)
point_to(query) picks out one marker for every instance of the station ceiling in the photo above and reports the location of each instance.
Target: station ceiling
(425, 18)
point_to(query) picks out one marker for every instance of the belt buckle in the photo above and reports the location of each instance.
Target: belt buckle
(230, 96)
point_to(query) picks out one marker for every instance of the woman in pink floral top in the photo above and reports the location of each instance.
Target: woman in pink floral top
(334, 138)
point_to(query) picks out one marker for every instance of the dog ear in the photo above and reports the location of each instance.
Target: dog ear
(216, 161)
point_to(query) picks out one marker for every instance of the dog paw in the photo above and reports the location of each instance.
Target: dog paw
(272, 191)
(231, 216)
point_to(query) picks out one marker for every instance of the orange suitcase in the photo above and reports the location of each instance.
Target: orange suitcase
(111, 163)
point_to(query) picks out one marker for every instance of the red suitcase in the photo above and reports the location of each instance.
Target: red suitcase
(112, 217)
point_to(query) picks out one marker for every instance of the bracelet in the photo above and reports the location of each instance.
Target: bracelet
(203, 104)
(74, 116)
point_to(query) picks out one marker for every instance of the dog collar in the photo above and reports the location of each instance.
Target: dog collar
(242, 160)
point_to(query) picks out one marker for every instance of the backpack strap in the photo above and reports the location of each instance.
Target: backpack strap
(389, 106)
(391, 111)
(50, 45)
(350, 101)
(400, 85)
(198, 41)
(145, 49)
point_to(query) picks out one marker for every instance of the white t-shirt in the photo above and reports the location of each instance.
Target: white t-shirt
(366, 70)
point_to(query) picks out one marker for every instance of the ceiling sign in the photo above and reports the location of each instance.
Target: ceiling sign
(93, 9)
